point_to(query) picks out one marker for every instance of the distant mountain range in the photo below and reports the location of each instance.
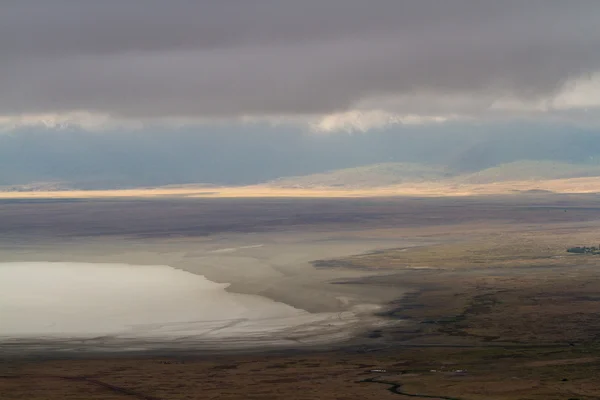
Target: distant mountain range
(38, 159)
(390, 174)
(387, 175)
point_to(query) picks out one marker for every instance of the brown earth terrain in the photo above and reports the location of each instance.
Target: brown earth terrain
(496, 308)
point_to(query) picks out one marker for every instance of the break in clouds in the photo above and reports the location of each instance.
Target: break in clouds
(142, 59)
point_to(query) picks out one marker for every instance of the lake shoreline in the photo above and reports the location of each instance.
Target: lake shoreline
(334, 291)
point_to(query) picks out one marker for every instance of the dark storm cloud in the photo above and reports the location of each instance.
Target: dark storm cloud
(149, 58)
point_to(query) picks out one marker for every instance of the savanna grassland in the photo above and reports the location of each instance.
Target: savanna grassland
(495, 306)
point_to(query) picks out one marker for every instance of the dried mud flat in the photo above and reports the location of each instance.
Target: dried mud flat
(491, 305)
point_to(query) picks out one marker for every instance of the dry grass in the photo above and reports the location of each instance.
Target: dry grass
(489, 374)
(533, 332)
(435, 189)
(528, 310)
(515, 287)
(507, 248)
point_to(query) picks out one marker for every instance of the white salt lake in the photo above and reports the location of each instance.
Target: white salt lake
(55, 300)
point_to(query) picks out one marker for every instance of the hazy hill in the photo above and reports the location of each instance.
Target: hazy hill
(37, 187)
(385, 174)
(389, 174)
(531, 170)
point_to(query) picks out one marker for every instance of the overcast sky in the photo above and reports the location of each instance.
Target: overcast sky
(332, 62)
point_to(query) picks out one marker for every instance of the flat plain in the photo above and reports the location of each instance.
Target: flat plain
(481, 299)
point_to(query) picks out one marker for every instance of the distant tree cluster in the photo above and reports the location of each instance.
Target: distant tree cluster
(584, 250)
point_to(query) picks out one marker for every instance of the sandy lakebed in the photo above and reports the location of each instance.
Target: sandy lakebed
(224, 292)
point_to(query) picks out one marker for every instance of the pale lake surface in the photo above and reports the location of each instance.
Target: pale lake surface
(54, 300)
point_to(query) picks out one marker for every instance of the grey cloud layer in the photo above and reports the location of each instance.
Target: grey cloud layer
(149, 58)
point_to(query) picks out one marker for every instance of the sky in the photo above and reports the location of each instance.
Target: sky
(320, 66)
(336, 60)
